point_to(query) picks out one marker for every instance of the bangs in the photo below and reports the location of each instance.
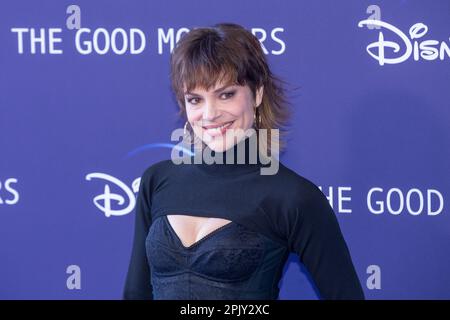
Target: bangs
(208, 61)
(207, 77)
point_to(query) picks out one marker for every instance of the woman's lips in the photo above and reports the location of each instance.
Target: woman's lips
(218, 131)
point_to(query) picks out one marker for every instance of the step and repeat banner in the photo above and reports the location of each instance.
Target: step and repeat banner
(86, 106)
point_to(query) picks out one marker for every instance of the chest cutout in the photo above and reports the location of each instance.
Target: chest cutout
(191, 229)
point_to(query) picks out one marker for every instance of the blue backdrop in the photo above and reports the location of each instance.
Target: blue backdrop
(86, 106)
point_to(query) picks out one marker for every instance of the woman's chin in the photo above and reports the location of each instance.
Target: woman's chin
(222, 142)
(219, 144)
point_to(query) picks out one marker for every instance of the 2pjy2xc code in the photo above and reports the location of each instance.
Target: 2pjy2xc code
(236, 310)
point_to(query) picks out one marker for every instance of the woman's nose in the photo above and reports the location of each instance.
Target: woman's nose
(210, 111)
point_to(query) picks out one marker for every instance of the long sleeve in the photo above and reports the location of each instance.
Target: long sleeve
(316, 237)
(138, 281)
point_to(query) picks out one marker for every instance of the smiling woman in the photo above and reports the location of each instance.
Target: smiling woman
(213, 113)
(220, 77)
(224, 231)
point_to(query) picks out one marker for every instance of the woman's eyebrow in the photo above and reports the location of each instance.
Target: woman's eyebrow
(215, 91)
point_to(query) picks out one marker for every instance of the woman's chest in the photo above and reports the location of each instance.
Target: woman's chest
(230, 252)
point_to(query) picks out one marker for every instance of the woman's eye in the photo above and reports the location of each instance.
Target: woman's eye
(193, 100)
(228, 94)
(224, 95)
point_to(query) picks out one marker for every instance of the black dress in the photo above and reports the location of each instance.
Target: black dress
(271, 216)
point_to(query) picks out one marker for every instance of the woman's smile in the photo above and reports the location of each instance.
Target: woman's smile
(218, 129)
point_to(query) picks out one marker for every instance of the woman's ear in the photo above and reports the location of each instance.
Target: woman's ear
(259, 95)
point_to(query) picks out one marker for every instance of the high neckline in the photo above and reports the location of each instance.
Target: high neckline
(243, 157)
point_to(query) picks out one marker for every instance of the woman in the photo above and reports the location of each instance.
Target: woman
(225, 231)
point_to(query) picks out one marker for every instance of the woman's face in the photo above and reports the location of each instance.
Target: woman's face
(215, 115)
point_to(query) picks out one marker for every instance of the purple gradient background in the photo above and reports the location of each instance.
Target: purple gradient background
(356, 124)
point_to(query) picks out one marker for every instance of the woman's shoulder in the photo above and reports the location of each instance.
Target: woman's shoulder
(294, 178)
(303, 196)
(158, 169)
(297, 185)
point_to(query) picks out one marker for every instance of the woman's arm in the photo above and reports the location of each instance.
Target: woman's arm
(138, 280)
(316, 237)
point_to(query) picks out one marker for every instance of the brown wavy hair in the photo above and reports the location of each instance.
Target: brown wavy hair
(228, 53)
